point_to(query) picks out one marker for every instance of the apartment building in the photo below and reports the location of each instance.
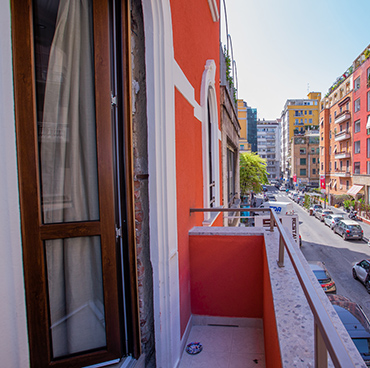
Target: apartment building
(248, 122)
(344, 131)
(298, 116)
(268, 145)
(361, 125)
(304, 158)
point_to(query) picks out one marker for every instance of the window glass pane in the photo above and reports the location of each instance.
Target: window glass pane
(75, 289)
(66, 110)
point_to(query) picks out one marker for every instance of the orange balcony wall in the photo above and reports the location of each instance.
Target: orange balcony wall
(230, 278)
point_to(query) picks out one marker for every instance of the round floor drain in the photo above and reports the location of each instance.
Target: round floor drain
(194, 348)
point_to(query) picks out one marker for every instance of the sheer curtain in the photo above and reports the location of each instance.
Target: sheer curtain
(69, 183)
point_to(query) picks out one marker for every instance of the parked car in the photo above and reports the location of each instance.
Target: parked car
(300, 240)
(264, 188)
(331, 220)
(321, 215)
(356, 323)
(315, 207)
(349, 229)
(319, 270)
(271, 198)
(360, 272)
(318, 212)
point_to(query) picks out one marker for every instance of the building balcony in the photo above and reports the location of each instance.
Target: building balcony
(343, 154)
(342, 136)
(344, 116)
(342, 173)
(249, 304)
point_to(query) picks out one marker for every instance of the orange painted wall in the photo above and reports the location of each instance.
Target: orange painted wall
(196, 39)
(189, 179)
(272, 348)
(227, 275)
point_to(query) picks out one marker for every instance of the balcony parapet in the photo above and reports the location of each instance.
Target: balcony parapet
(343, 154)
(342, 136)
(342, 173)
(307, 325)
(345, 115)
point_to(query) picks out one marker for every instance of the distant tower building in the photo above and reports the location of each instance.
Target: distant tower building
(268, 145)
(298, 116)
(248, 122)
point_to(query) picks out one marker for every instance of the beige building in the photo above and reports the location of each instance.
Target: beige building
(304, 159)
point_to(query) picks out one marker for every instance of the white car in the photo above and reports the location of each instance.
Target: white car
(360, 271)
(331, 220)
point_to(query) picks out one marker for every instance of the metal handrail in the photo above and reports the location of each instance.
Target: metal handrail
(325, 333)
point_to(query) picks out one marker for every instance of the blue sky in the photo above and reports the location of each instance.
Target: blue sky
(282, 46)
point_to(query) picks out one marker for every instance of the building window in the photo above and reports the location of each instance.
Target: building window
(329, 119)
(357, 83)
(335, 165)
(330, 135)
(357, 105)
(357, 147)
(296, 122)
(314, 160)
(368, 167)
(335, 114)
(347, 184)
(322, 167)
(317, 150)
(340, 109)
(368, 101)
(313, 171)
(368, 147)
(357, 168)
(302, 172)
(330, 166)
(357, 126)
(310, 112)
(302, 151)
(310, 121)
(312, 150)
(302, 161)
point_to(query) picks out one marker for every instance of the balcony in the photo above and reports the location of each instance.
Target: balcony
(342, 136)
(345, 115)
(343, 154)
(249, 306)
(342, 173)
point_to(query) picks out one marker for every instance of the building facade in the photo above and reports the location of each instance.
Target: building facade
(110, 132)
(361, 124)
(298, 116)
(248, 122)
(304, 159)
(268, 146)
(336, 136)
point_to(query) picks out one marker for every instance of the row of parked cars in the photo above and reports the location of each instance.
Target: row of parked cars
(347, 229)
(351, 314)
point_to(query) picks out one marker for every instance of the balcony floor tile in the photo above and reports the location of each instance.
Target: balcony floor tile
(226, 347)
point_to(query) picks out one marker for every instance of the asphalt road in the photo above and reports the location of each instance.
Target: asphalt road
(319, 243)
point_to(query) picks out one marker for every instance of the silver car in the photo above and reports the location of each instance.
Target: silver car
(360, 271)
(331, 220)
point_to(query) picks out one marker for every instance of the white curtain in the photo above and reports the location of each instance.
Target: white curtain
(69, 183)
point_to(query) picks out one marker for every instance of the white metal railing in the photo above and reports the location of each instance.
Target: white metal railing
(326, 336)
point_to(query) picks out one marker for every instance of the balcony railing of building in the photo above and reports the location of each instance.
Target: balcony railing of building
(343, 116)
(342, 154)
(327, 339)
(344, 173)
(343, 135)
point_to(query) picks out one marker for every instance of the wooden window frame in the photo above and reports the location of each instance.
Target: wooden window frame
(34, 232)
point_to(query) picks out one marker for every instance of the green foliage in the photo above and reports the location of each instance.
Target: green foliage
(307, 201)
(252, 173)
(347, 204)
(229, 77)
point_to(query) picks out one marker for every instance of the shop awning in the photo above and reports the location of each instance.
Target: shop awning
(354, 190)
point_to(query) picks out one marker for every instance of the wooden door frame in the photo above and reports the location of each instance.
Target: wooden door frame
(33, 231)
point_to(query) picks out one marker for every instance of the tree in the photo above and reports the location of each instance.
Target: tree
(252, 173)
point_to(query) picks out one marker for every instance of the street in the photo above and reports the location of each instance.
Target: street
(320, 243)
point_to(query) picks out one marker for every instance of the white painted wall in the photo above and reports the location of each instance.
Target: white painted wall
(13, 330)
